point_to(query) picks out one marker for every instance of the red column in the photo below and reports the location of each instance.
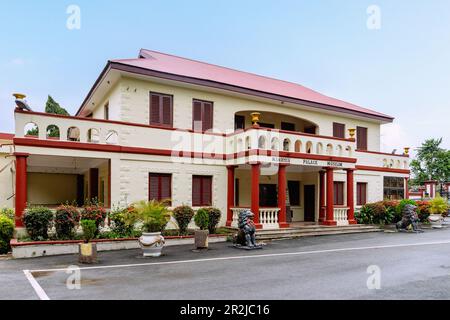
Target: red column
(350, 197)
(230, 194)
(255, 193)
(21, 187)
(322, 197)
(406, 188)
(330, 199)
(282, 196)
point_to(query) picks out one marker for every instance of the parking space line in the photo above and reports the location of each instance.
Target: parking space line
(298, 253)
(37, 288)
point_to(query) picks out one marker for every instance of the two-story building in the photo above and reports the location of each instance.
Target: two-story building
(161, 126)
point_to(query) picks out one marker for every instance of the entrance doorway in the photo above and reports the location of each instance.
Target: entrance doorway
(268, 196)
(310, 203)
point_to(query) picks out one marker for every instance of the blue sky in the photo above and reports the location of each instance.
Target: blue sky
(402, 69)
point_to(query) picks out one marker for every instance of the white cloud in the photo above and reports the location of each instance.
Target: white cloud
(18, 62)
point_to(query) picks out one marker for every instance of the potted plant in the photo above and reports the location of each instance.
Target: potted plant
(88, 250)
(438, 208)
(94, 211)
(153, 216)
(201, 220)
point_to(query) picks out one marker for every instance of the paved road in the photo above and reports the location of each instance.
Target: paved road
(329, 267)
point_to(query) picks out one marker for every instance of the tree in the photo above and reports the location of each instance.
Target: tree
(53, 107)
(432, 163)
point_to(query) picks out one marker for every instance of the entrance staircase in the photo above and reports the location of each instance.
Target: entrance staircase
(313, 230)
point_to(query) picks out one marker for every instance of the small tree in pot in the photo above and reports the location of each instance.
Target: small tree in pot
(438, 209)
(88, 250)
(201, 219)
(153, 216)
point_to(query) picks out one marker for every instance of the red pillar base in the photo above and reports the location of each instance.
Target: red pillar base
(228, 224)
(352, 222)
(329, 223)
(284, 225)
(258, 226)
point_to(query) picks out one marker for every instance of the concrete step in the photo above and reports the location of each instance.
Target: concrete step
(308, 232)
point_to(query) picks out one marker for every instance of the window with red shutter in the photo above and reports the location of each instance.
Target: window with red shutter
(159, 186)
(201, 191)
(338, 193)
(338, 130)
(161, 109)
(361, 193)
(202, 115)
(361, 138)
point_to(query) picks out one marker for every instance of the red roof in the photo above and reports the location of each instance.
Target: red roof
(161, 62)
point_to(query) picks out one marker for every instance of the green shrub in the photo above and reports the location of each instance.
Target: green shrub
(95, 212)
(122, 225)
(8, 212)
(37, 221)
(66, 219)
(201, 219)
(375, 213)
(183, 215)
(6, 233)
(214, 218)
(89, 229)
(423, 208)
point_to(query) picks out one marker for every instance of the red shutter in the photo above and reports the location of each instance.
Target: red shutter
(167, 110)
(154, 109)
(207, 116)
(197, 116)
(338, 193)
(207, 191)
(153, 187)
(361, 138)
(338, 130)
(361, 193)
(196, 191)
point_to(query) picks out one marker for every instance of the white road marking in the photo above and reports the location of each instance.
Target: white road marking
(298, 253)
(37, 288)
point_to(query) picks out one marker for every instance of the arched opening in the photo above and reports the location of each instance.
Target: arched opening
(93, 136)
(339, 150)
(309, 146)
(286, 145)
(275, 120)
(319, 148)
(240, 145)
(385, 163)
(73, 134)
(274, 145)
(330, 149)
(53, 132)
(248, 143)
(112, 137)
(349, 151)
(298, 146)
(31, 130)
(262, 142)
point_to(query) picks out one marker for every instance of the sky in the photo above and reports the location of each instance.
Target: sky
(390, 56)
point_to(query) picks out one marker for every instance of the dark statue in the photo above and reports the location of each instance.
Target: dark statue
(410, 218)
(246, 237)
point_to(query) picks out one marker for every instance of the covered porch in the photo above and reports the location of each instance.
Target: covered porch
(43, 180)
(288, 195)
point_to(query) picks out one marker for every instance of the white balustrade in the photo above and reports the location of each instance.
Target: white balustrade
(341, 216)
(268, 217)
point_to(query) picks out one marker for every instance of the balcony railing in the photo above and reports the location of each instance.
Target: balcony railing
(341, 215)
(268, 217)
(209, 145)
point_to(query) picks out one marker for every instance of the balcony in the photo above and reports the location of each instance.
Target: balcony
(234, 147)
